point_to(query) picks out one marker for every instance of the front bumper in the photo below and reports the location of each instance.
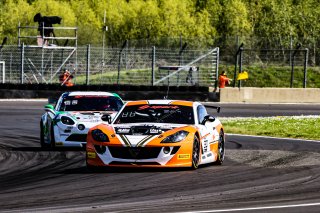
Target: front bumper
(115, 156)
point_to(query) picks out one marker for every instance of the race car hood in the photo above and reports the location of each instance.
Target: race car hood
(89, 116)
(140, 134)
(144, 129)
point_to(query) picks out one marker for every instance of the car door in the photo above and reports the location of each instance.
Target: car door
(205, 128)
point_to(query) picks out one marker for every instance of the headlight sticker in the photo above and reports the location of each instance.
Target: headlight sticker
(91, 154)
(184, 156)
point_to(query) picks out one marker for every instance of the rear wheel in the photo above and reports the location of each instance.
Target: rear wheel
(195, 153)
(221, 151)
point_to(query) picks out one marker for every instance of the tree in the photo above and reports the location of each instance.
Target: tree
(14, 12)
(235, 19)
(88, 23)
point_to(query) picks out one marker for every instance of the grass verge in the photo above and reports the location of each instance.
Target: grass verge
(302, 127)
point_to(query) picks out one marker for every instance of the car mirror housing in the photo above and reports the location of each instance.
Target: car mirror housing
(49, 108)
(209, 118)
(107, 118)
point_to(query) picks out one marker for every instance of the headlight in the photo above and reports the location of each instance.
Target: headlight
(67, 121)
(176, 137)
(98, 135)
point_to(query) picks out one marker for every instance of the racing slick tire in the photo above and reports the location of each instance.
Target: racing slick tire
(91, 168)
(52, 140)
(42, 143)
(221, 149)
(195, 153)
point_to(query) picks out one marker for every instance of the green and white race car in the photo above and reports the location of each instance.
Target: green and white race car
(67, 123)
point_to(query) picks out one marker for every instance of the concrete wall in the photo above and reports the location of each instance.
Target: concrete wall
(270, 95)
(127, 92)
(227, 95)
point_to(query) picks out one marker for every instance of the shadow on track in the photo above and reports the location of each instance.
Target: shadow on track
(40, 149)
(85, 170)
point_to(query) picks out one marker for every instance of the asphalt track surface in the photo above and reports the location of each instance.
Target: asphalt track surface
(258, 175)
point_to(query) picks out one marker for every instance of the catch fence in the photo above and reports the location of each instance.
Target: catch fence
(99, 66)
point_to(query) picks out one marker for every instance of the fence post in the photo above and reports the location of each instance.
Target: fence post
(10, 67)
(51, 67)
(88, 65)
(153, 64)
(292, 70)
(118, 78)
(292, 64)
(240, 65)
(22, 63)
(217, 69)
(306, 53)
(119, 62)
(236, 65)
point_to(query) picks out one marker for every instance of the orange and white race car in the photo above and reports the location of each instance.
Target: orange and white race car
(157, 133)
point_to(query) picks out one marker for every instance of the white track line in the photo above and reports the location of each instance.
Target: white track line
(23, 99)
(259, 136)
(259, 208)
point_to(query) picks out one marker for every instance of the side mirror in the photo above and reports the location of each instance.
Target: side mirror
(49, 108)
(106, 117)
(209, 118)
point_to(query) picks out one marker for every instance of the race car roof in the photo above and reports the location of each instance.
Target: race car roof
(164, 102)
(91, 93)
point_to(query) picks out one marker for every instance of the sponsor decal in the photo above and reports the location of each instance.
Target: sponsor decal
(158, 107)
(205, 145)
(155, 131)
(123, 130)
(59, 143)
(91, 155)
(184, 156)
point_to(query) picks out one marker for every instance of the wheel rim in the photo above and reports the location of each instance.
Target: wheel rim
(221, 147)
(195, 153)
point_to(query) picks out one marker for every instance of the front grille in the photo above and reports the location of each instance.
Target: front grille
(77, 137)
(134, 152)
(135, 163)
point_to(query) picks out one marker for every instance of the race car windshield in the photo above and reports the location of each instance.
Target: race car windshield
(156, 114)
(90, 103)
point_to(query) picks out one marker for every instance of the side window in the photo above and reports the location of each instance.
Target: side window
(201, 110)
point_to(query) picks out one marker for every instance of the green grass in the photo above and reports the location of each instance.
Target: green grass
(138, 77)
(303, 127)
(277, 76)
(260, 75)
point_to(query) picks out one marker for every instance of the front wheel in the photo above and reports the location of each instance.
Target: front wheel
(195, 153)
(52, 140)
(42, 143)
(221, 150)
